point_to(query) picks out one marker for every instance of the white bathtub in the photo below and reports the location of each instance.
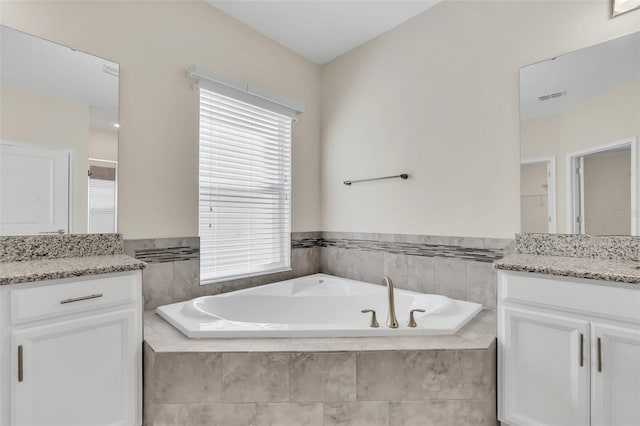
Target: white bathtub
(315, 306)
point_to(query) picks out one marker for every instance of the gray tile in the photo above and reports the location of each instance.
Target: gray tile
(183, 377)
(255, 377)
(421, 274)
(395, 267)
(474, 413)
(148, 392)
(393, 375)
(498, 243)
(157, 280)
(450, 277)
(322, 377)
(221, 415)
(305, 261)
(457, 374)
(356, 413)
(468, 242)
(168, 415)
(482, 284)
(290, 414)
(370, 266)
(421, 413)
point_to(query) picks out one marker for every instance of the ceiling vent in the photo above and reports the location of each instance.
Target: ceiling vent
(552, 95)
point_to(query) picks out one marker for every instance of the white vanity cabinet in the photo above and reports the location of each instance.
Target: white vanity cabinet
(568, 351)
(72, 351)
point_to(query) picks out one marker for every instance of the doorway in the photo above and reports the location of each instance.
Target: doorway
(538, 195)
(602, 196)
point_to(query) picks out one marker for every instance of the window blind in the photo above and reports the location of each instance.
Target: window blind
(245, 189)
(102, 200)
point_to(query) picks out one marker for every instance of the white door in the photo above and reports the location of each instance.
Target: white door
(615, 375)
(546, 369)
(76, 373)
(34, 190)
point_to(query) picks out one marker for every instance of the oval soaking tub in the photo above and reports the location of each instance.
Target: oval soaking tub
(317, 305)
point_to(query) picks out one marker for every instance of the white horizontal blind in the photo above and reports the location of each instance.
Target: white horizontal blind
(245, 189)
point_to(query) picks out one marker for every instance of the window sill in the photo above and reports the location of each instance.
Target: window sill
(240, 277)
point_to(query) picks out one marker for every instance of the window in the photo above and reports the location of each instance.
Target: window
(102, 196)
(245, 189)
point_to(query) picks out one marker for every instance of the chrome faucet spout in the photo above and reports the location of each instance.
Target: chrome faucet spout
(392, 321)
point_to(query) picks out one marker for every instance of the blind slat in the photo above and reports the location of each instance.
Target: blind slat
(245, 189)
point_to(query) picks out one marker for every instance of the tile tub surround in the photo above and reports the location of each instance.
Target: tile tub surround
(456, 267)
(452, 266)
(31, 247)
(173, 272)
(439, 380)
(621, 271)
(567, 245)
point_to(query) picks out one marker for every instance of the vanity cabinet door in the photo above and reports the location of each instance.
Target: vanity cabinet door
(545, 364)
(615, 375)
(79, 372)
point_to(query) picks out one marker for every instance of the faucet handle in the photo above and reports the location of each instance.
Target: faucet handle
(412, 321)
(374, 321)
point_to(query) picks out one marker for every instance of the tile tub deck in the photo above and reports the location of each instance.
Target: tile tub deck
(422, 380)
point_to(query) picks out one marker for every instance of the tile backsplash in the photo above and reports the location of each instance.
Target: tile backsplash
(452, 266)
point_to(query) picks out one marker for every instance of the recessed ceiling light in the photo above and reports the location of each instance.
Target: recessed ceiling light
(116, 125)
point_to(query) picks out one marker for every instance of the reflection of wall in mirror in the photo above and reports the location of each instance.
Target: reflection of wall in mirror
(61, 124)
(534, 207)
(103, 145)
(601, 120)
(607, 204)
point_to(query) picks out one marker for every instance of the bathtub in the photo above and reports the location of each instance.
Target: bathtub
(317, 305)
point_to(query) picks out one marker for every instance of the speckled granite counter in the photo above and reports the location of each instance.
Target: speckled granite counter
(623, 271)
(50, 269)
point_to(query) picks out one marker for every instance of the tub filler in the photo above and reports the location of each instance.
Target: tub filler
(316, 305)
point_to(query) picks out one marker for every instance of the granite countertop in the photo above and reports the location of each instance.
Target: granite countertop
(161, 336)
(51, 269)
(623, 271)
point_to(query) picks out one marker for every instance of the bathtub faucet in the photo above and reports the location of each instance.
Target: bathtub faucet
(392, 321)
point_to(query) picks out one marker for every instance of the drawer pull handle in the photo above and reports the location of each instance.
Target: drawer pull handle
(20, 364)
(599, 350)
(77, 299)
(581, 349)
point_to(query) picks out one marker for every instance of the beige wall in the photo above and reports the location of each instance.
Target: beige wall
(154, 42)
(103, 145)
(602, 120)
(437, 97)
(62, 124)
(534, 194)
(606, 193)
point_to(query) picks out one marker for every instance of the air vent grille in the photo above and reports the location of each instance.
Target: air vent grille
(552, 95)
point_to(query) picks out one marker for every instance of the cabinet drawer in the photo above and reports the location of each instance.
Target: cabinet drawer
(585, 296)
(65, 298)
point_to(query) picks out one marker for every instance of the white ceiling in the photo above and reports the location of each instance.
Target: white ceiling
(583, 74)
(38, 66)
(322, 30)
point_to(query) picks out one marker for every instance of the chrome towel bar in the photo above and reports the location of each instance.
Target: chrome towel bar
(403, 176)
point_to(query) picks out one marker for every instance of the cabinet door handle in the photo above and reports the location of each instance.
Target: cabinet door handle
(599, 351)
(20, 364)
(77, 299)
(581, 350)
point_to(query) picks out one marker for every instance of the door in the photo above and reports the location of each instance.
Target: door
(34, 188)
(615, 375)
(76, 373)
(546, 369)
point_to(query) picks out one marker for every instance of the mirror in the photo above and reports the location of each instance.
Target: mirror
(579, 128)
(58, 138)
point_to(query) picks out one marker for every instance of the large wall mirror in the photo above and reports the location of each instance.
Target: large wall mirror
(579, 129)
(58, 138)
